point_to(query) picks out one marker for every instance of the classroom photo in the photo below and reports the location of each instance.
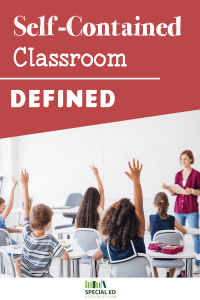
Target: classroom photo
(118, 200)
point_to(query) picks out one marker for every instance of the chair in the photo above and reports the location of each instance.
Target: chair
(88, 239)
(72, 200)
(5, 240)
(139, 266)
(170, 237)
(8, 264)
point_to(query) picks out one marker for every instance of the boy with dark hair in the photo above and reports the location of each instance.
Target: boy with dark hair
(38, 247)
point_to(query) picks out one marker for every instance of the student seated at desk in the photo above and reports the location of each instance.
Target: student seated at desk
(162, 221)
(124, 224)
(4, 213)
(38, 248)
(91, 210)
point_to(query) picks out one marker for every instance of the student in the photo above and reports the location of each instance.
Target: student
(38, 248)
(124, 224)
(4, 213)
(162, 221)
(91, 210)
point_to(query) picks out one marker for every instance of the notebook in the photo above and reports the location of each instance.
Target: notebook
(177, 189)
(66, 246)
(17, 246)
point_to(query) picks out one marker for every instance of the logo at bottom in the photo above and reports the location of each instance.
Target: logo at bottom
(98, 289)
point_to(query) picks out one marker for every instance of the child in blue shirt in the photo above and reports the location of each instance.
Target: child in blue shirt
(4, 213)
(162, 221)
(124, 225)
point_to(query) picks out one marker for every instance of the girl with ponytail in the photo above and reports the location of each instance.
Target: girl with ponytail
(162, 221)
(91, 210)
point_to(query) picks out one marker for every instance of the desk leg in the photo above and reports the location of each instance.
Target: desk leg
(76, 270)
(1, 271)
(2, 266)
(72, 268)
(189, 271)
(94, 268)
(91, 267)
(60, 268)
(68, 268)
(60, 272)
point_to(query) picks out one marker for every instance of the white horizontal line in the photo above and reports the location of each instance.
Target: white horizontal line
(80, 78)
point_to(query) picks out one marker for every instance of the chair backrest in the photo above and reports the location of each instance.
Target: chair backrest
(4, 241)
(170, 237)
(8, 264)
(73, 200)
(88, 239)
(5, 238)
(139, 266)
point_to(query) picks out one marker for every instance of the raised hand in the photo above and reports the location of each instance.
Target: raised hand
(100, 186)
(135, 171)
(134, 175)
(9, 206)
(95, 170)
(14, 183)
(24, 177)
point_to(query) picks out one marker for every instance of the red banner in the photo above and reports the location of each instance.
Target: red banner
(68, 64)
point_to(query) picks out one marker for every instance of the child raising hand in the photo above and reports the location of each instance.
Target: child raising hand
(124, 224)
(38, 247)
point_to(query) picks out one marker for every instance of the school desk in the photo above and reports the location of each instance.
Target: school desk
(186, 254)
(193, 231)
(74, 256)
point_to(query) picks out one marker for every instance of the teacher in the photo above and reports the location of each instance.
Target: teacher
(186, 206)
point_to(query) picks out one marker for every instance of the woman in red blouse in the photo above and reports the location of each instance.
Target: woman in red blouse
(186, 206)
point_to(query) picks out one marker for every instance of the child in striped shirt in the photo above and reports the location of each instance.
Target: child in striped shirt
(38, 247)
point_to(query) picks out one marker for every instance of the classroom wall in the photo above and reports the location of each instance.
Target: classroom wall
(8, 168)
(58, 162)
